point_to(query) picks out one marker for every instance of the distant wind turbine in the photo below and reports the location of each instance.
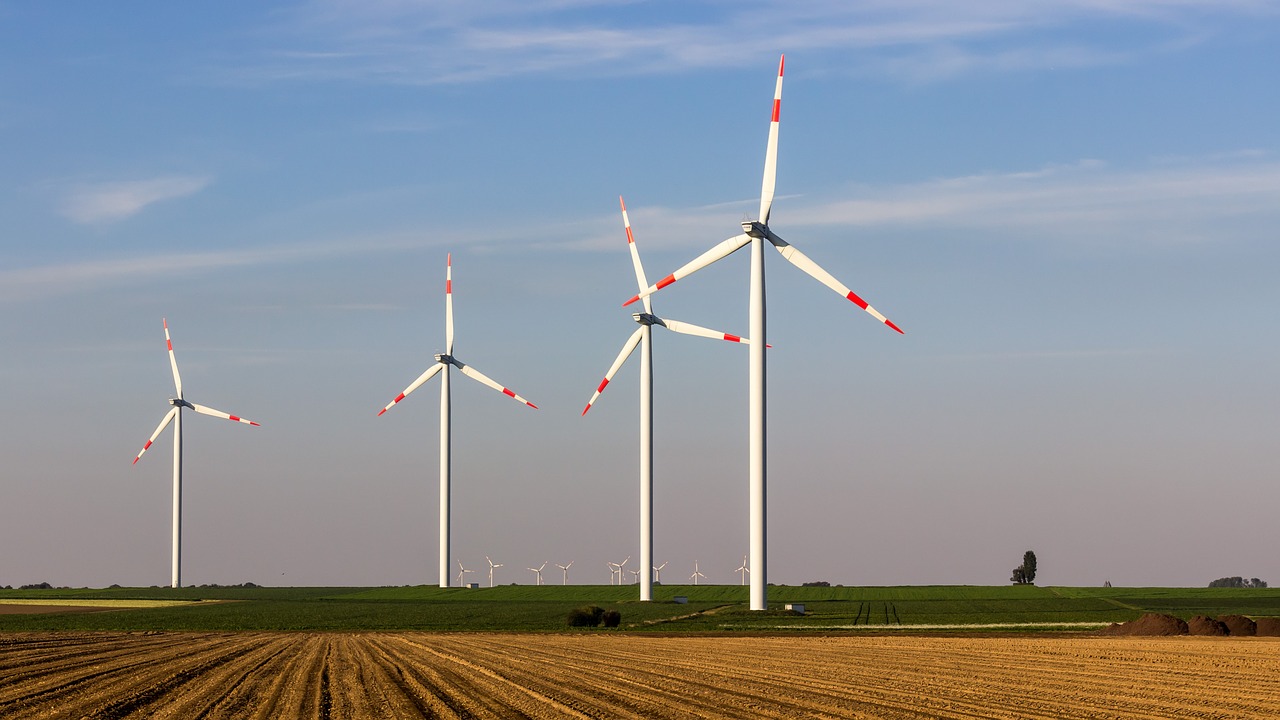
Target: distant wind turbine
(491, 567)
(175, 416)
(538, 571)
(461, 572)
(694, 577)
(443, 362)
(756, 233)
(565, 568)
(743, 570)
(657, 573)
(642, 338)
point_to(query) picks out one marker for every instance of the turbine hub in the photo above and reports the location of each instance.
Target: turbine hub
(755, 229)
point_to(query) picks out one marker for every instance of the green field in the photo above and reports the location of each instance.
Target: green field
(717, 608)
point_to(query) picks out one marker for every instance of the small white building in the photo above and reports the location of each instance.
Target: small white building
(797, 608)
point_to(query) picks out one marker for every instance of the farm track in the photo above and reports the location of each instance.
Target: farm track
(357, 676)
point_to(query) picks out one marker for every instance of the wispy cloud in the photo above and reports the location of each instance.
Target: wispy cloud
(402, 41)
(1184, 201)
(106, 202)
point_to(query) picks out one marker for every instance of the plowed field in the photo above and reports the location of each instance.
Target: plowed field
(408, 675)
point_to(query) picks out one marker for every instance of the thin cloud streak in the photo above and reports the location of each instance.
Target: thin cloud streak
(399, 42)
(113, 201)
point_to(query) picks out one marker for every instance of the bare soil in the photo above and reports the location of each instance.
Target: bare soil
(598, 675)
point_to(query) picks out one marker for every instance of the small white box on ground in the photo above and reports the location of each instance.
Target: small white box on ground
(474, 586)
(797, 608)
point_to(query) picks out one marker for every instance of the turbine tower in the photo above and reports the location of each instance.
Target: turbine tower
(641, 337)
(756, 233)
(444, 362)
(175, 416)
(491, 567)
(565, 569)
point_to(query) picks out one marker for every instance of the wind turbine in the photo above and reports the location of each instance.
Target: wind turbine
(565, 568)
(461, 571)
(613, 571)
(491, 567)
(538, 572)
(175, 416)
(641, 337)
(756, 233)
(657, 573)
(443, 362)
(694, 577)
(744, 570)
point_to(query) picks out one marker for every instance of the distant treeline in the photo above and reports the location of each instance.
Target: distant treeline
(1238, 582)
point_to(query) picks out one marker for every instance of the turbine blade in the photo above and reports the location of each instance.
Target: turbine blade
(802, 261)
(218, 413)
(641, 281)
(448, 305)
(627, 348)
(690, 329)
(771, 151)
(173, 361)
(431, 371)
(481, 377)
(721, 250)
(159, 429)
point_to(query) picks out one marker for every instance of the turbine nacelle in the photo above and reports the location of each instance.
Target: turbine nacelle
(179, 402)
(650, 319)
(444, 359)
(755, 229)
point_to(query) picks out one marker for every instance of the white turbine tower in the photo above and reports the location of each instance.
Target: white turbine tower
(491, 567)
(175, 416)
(694, 577)
(756, 233)
(461, 571)
(744, 570)
(657, 573)
(641, 337)
(565, 569)
(444, 362)
(538, 571)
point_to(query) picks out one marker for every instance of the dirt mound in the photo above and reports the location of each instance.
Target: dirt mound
(1268, 627)
(1149, 624)
(1239, 625)
(1204, 625)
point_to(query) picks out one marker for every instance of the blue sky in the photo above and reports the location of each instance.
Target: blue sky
(1069, 206)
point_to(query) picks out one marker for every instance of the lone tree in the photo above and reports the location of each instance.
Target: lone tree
(1025, 574)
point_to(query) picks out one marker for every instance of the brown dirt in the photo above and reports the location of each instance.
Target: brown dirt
(1239, 625)
(1151, 624)
(1268, 627)
(410, 675)
(6, 609)
(1204, 625)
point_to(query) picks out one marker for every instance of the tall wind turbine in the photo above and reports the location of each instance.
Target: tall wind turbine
(445, 361)
(641, 337)
(565, 568)
(491, 567)
(175, 416)
(694, 577)
(743, 570)
(756, 233)
(461, 572)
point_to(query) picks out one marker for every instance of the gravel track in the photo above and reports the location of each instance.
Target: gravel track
(359, 676)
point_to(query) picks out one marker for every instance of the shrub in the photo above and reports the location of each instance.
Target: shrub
(588, 616)
(611, 618)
